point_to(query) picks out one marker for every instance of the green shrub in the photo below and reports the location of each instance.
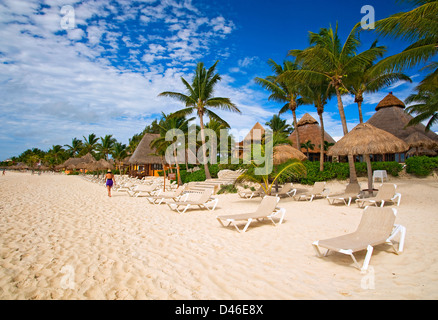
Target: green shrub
(341, 171)
(230, 188)
(421, 166)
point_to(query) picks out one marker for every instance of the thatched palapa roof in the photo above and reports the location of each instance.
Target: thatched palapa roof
(283, 153)
(143, 154)
(309, 130)
(390, 101)
(367, 139)
(391, 117)
(252, 136)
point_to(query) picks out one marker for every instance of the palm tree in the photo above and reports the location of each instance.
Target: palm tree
(283, 90)
(327, 59)
(199, 98)
(426, 105)
(371, 79)
(134, 141)
(106, 145)
(90, 144)
(290, 169)
(318, 95)
(420, 26)
(75, 147)
(279, 125)
(308, 145)
(119, 152)
(58, 153)
(218, 127)
(169, 123)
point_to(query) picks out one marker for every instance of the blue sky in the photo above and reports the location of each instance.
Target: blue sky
(102, 75)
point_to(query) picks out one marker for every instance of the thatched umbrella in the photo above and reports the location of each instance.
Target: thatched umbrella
(71, 163)
(365, 139)
(418, 140)
(286, 152)
(103, 164)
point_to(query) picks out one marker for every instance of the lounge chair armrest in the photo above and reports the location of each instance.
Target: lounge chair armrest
(326, 192)
(398, 197)
(278, 211)
(398, 229)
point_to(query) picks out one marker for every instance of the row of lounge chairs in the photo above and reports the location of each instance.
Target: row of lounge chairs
(386, 193)
(377, 225)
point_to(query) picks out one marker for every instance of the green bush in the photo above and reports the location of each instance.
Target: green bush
(199, 175)
(421, 166)
(230, 188)
(341, 171)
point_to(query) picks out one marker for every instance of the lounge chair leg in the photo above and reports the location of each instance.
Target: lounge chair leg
(184, 209)
(247, 225)
(316, 247)
(367, 258)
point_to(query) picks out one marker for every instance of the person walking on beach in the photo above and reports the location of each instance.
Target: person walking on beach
(109, 181)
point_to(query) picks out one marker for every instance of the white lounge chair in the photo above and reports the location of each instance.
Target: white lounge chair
(318, 190)
(204, 201)
(161, 196)
(127, 186)
(248, 194)
(376, 227)
(287, 190)
(144, 190)
(267, 209)
(386, 193)
(351, 192)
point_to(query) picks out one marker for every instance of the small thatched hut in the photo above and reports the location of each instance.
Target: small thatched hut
(143, 159)
(310, 130)
(391, 117)
(253, 136)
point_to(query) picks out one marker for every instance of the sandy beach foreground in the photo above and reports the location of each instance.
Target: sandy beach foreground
(62, 237)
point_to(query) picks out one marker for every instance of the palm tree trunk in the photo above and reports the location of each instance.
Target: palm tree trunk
(321, 156)
(177, 166)
(204, 147)
(353, 175)
(293, 108)
(370, 174)
(359, 106)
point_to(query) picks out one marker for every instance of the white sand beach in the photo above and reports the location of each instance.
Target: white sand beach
(62, 237)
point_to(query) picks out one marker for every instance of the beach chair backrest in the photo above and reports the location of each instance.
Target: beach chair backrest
(288, 187)
(267, 206)
(377, 222)
(179, 190)
(386, 191)
(318, 187)
(352, 188)
(205, 196)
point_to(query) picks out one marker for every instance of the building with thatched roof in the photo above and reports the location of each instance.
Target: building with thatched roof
(254, 136)
(310, 130)
(144, 160)
(391, 116)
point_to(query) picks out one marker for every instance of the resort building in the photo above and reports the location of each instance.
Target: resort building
(254, 136)
(143, 161)
(310, 131)
(391, 116)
